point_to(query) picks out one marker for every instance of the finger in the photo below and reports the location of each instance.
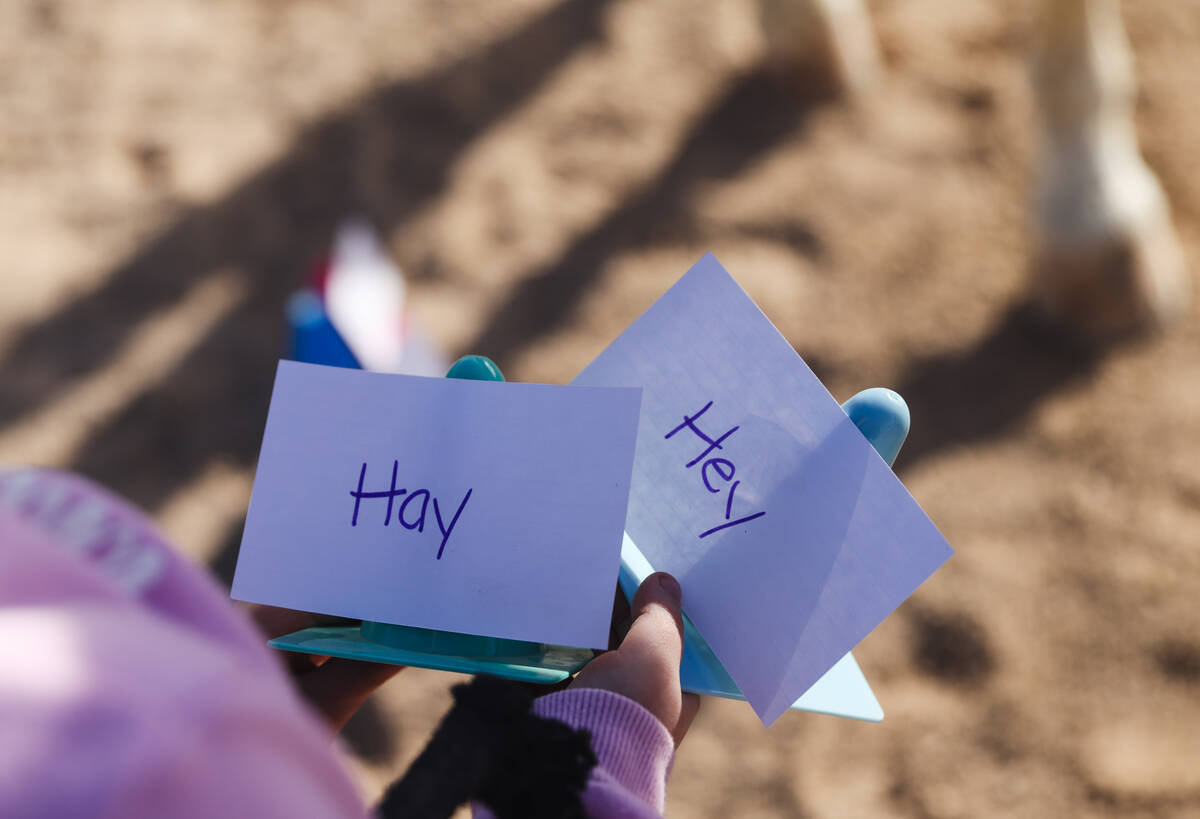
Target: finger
(339, 687)
(656, 635)
(276, 622)
(691, 707)
(298, 663)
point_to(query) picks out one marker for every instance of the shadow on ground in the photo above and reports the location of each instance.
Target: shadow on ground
(989, 389)
(387, 156)
(384, 157)
(754, 115)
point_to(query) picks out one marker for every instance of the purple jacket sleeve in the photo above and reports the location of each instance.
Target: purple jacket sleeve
(130, 686)
(139, 691)
(634, 752)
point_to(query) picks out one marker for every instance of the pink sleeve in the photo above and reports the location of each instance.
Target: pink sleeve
(634, 752)
(130, 686)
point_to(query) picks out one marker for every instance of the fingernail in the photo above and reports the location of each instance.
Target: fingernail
(671, 586)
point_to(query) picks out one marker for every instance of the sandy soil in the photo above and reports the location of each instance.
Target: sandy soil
(543, 171)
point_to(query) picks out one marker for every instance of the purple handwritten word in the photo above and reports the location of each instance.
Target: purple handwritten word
(724, 469)
(402, 515)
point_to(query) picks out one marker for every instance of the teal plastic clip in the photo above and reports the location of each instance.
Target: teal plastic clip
(880, 414)
(444, 650)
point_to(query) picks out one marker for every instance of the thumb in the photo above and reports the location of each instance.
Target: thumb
(656, 636)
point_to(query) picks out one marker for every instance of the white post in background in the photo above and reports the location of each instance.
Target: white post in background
(1107, 259)
(822, 43)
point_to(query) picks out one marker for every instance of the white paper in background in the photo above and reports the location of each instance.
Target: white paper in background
(364, 296)
(792, 539)
(504, 517)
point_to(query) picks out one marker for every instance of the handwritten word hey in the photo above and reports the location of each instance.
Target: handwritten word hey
(418, 522)
(724, 469)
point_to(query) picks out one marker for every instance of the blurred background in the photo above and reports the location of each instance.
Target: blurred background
(542, 170)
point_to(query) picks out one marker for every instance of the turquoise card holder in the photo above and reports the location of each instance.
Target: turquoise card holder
(843, 691)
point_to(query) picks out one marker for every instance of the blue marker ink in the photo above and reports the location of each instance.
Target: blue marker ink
(722, 466)
(715, 463)
(690, 423)
(389, 494)
(746, 519)
(446, 530)
(418, 498)
(419, 524)
(728, 503)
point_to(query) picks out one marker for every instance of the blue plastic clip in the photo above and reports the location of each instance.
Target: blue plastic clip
(880, 414)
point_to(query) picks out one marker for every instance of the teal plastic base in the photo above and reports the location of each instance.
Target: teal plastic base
(545, 664)
(843, 691)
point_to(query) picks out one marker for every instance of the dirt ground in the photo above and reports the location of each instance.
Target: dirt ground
(543, 171)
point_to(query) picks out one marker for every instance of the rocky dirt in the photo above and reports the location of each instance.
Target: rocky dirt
(543, 171)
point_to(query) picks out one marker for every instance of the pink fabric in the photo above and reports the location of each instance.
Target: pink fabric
(132, 688)
(634, 752)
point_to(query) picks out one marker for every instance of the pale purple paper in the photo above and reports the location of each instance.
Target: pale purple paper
(781, 597)
(535, 552)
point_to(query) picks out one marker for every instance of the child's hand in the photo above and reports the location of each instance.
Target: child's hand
(334, 687)
(645, 667)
